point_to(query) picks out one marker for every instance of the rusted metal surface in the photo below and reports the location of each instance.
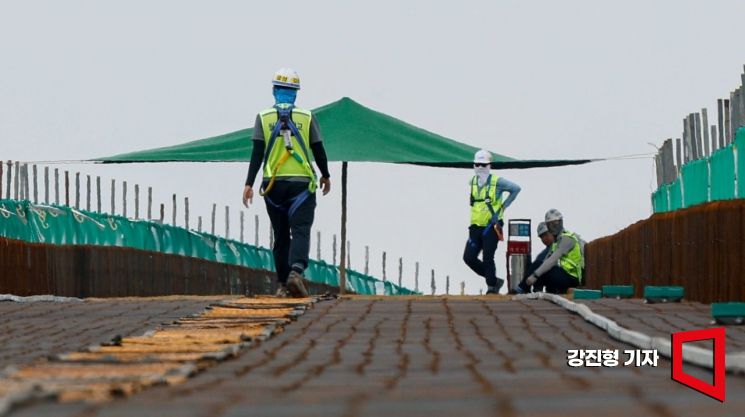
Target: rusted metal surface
(701, 248)
(168, 355)
(100, 271)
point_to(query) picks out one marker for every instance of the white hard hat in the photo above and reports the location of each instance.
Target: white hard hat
(482, 157)
(286, 77)
(542, 228)
(553, 215)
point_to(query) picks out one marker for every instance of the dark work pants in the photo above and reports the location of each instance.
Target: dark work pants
(291, 230)
(487, 245)
(556, 281)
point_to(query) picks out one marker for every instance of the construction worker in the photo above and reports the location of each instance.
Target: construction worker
(283, 137)
(548, 240)
(562, 269)
(487, 212)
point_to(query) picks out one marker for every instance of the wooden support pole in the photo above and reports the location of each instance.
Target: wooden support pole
(400, 271)
(124, 198)
(17, 181)
(705, 130)
(186, 213)
(385, 277)
(137, 201)
(242, 226)
(318, 245)
(88, 193)
(214, 213)
(67, 188)
(113, 197)
(77, 191)
(720, 122)
(36, 185)
(98, 194)
(333, 259)
(367, 260)
(149, 203)
(227, 222)
(434, 288)
(46, 185)
(56, 186)
(174, 210)
(416, 277)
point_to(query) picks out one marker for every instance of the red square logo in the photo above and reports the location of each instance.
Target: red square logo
(716, 391)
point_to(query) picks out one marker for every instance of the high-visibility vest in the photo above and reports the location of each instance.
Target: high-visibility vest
(291, 167)
(572, 261)
(485, 202)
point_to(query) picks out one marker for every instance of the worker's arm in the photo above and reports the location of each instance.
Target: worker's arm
(563, 247)
(257, 155)
(505, 185)
(316, 146)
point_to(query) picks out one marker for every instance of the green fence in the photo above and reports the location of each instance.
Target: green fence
(709, 179)
(61, 225)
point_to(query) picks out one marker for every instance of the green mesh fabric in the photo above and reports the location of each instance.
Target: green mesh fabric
(722, 165)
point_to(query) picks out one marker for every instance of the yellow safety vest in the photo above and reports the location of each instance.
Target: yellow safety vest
(291, 167)
(482, 199)
(572, 261)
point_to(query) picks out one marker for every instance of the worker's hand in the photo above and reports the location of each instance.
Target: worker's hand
(325, 185)
(531, 280)
(248, 195)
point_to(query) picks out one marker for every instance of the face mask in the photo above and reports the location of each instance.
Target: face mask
(285, 95)
(482, 173)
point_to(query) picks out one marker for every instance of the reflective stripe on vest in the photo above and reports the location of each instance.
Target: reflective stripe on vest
(572, 261)
(481, 214)
(292, 167)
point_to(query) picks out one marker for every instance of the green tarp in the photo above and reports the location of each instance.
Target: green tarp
(722, 166)
(695, 176)
(60, 225)
(351, 132)
(740, 149)
(676, 195)
(660, 201)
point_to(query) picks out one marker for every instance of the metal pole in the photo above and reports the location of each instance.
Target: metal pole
(367, 260)
(9, 179)
(88, 193)
(385, 278)
(256, 230)
(447, 285)
(433, 282)
(720, 122)
(342, 263)
(186, 213)
(67, 188)
(17, 181)
(227, 222)
(174, 210)
(77, 191)
(162, 213)
(349, 254)
(400, 270)
(713, 138)
(124, 198)
(727, 122)
(333, 259)
(697, 129)
(56, 186)
(46, 185)
(318, 246)
(36, 185)
(113, 197)
(705, 131)
(137, 201)
(242, 225)
(98, 195)
(1, 180)
(462, 288)
(149, 203)
(199, 224)
(416, 277)
(214, 210)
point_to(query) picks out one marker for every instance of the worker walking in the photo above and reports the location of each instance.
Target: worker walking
(487, 212)
(562, 269)
(284, 136)
(548, 240)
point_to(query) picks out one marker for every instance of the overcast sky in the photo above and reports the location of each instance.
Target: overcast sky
(528, 79)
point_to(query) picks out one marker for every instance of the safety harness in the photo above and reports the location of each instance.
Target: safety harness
(286, 127)
(494, 221)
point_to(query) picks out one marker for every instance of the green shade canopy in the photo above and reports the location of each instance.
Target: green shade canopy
(351, 132)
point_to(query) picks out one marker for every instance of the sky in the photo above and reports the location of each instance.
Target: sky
(528, 79)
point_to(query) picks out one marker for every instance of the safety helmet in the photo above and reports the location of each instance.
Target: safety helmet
(482, 157)
(542, 228)
(553, 215)
(286, 77)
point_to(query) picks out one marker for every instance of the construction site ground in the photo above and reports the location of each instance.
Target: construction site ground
(388, 356)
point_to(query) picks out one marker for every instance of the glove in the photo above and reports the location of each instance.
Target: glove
(531, 280)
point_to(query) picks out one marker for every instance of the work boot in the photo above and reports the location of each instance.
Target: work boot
(295, 285)
(500, 282)
(281, 291)
(492, 290)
